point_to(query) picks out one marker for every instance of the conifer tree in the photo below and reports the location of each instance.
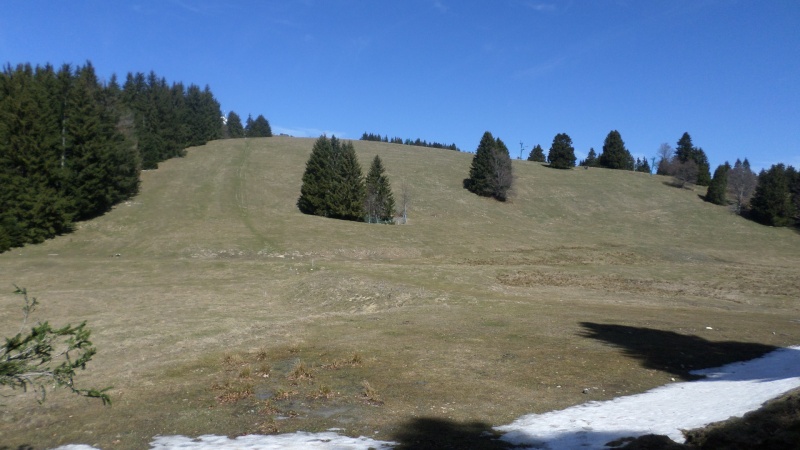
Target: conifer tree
(642, 166)
(615, 155)
(561, 154)
(591, 159)
(686, 151)
(719, 184)
(235, 128)
(537, 154)
(379, 202)
(348, 190)
(258, 127)
(101, 169)
(318, 180)
(333, 183)
(33, 204)
(772, 202)
(490, 174)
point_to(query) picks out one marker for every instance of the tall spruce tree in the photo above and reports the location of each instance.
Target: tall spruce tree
(349, 188)
(686, 151)
(318, 180)
(719, 185)
(234, 124)
(379, 201)
(333, 183)
(490, 174)
(537, 154)
(772, 201)
(561, 154)
(615, 155)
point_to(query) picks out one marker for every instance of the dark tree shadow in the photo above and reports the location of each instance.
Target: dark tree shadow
(436, 433)
(671, 352)
(21, 447)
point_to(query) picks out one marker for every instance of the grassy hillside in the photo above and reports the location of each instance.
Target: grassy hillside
(472, 314)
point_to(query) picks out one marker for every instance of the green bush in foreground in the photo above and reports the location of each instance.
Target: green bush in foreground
(47, 355)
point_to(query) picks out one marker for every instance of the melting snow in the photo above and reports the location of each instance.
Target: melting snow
(727, 391)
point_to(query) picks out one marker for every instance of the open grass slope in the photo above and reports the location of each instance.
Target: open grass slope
(217, 307)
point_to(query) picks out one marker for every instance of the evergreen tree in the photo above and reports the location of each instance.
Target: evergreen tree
(318, 179)
(201, 116)
(642, 166)
(685, 149)
(333, 184)
(793, 177)
(591, 159)
(615, 155)
(33, 203)
(101, 168)
(258, 128)
(537, 154)
(719, 184)
(70, 147)
(379, 203)
(348, 189)
(234, 124)
(490, 174)
(703, 167)
(562, 154)
(686, 152)
(772, 202)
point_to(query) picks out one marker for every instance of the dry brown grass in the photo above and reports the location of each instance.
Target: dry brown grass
(476, 311)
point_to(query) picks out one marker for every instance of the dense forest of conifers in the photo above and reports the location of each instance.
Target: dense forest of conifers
(397, 140)
(72, 146)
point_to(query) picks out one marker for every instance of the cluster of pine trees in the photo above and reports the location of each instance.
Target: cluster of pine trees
(686, 163)
(396, 140)
(233, 129)
(772, 197)
(71, 147)
(334, 185)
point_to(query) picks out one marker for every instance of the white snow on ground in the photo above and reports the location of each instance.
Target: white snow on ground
(726, 391)
(329, 440)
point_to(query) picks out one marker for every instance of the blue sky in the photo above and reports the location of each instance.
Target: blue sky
(726, 71)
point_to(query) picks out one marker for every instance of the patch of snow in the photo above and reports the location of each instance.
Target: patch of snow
(727, 391)
(299, 440)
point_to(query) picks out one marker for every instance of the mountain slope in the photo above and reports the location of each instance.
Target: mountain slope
(475, 312)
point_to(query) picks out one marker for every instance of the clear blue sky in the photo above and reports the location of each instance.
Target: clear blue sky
(726, 71)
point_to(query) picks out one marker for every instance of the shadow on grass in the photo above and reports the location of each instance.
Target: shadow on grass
(436, 433)
(671, 352)
(21, 447)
